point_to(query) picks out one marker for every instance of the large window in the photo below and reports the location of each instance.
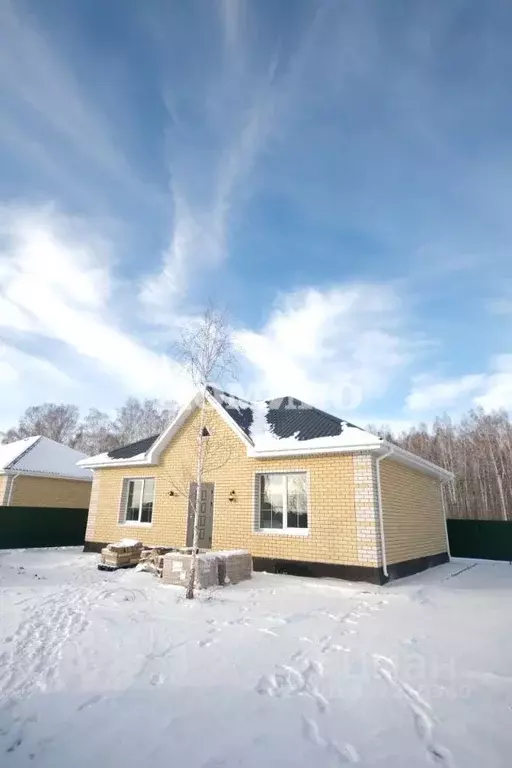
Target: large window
(283, 501)
(139, 500)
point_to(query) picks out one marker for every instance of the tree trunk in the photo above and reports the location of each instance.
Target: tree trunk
(199, 477)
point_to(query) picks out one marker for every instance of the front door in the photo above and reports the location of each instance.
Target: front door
(205, 515)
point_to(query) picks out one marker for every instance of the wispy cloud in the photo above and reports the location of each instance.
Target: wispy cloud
(199, 238)
(340, 347)
(232, 13)
(490, 390)
(248, 97)
(428, 394)
(56, 281)
(497, 390)
(40, 90)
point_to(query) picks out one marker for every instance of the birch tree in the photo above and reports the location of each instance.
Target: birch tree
(97, 431)
(57, 421)
(207, 353)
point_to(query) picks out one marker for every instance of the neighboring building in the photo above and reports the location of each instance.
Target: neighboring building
(304, 491)
(38, 472)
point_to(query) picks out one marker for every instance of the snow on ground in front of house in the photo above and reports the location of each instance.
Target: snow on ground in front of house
(118, 669)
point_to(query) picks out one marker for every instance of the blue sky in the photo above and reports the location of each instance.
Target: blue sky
(336, 174)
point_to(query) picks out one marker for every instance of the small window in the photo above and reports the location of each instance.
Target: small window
(139, 500)
(283, 501)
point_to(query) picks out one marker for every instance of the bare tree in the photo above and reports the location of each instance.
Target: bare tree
(58, 422)
(137, 419)
(98, 431)
(478, 451)
(207, 353)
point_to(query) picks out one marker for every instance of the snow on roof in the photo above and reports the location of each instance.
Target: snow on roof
(282, 424)
(40, 455)
(263, 434)
(106, 458)
(9, 452)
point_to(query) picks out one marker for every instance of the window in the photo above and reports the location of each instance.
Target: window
(283, 501)
(139, 500)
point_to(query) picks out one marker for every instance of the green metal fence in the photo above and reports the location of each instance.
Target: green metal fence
(41, 527)
(486, 539)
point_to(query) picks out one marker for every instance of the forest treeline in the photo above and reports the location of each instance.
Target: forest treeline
(478, 450)
(97, 431)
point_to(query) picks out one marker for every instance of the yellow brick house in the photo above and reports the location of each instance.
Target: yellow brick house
(304, 491)
(39, 472)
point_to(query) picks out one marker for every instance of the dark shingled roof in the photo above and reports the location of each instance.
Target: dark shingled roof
(287, 416)
(239, 410)
(133, 449)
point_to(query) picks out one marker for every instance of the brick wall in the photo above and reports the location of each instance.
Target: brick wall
(332, 520)
(3, 484)
(369, 548)
(50, 492)
(413, 513)
(93, 507)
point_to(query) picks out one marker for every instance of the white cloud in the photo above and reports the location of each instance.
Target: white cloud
(428, 393)
(497, 391)
(490, 390)
(200, 228)
(334, 348)
(8, 372)
(232, 14)
(41, 91)
(55, 282)
(15, 364)
(26, 379)
(500, 306)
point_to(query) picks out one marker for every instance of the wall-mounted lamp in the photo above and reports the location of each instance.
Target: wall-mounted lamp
(171, 493)
(232, 496)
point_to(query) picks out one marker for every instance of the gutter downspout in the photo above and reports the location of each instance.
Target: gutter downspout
(443, 502)
(381, 516)
(11, 486)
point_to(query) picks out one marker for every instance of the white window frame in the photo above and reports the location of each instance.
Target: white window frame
(284, 531)
(124, 502)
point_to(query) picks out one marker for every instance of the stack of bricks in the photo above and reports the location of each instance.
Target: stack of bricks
(213, 568)
(122, 554)
(176, 569)
(234, 565)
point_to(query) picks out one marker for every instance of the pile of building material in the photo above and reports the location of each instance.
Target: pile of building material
(122, 554)
(212, 568)
(177, 565)
(152, 559)
(234, 565)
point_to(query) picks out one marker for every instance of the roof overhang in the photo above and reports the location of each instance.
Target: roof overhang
(416, 462)
(382, 447)
(49, 475)
(297, 450)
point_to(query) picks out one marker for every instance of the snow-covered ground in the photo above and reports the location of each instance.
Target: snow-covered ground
(117, 669)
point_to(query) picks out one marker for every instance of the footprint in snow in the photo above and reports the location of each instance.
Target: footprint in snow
(205, 642)
(421, 711)
(344, 754)
(311, 732)
(89, 702)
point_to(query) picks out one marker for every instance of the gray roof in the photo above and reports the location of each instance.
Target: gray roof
(287, 417)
